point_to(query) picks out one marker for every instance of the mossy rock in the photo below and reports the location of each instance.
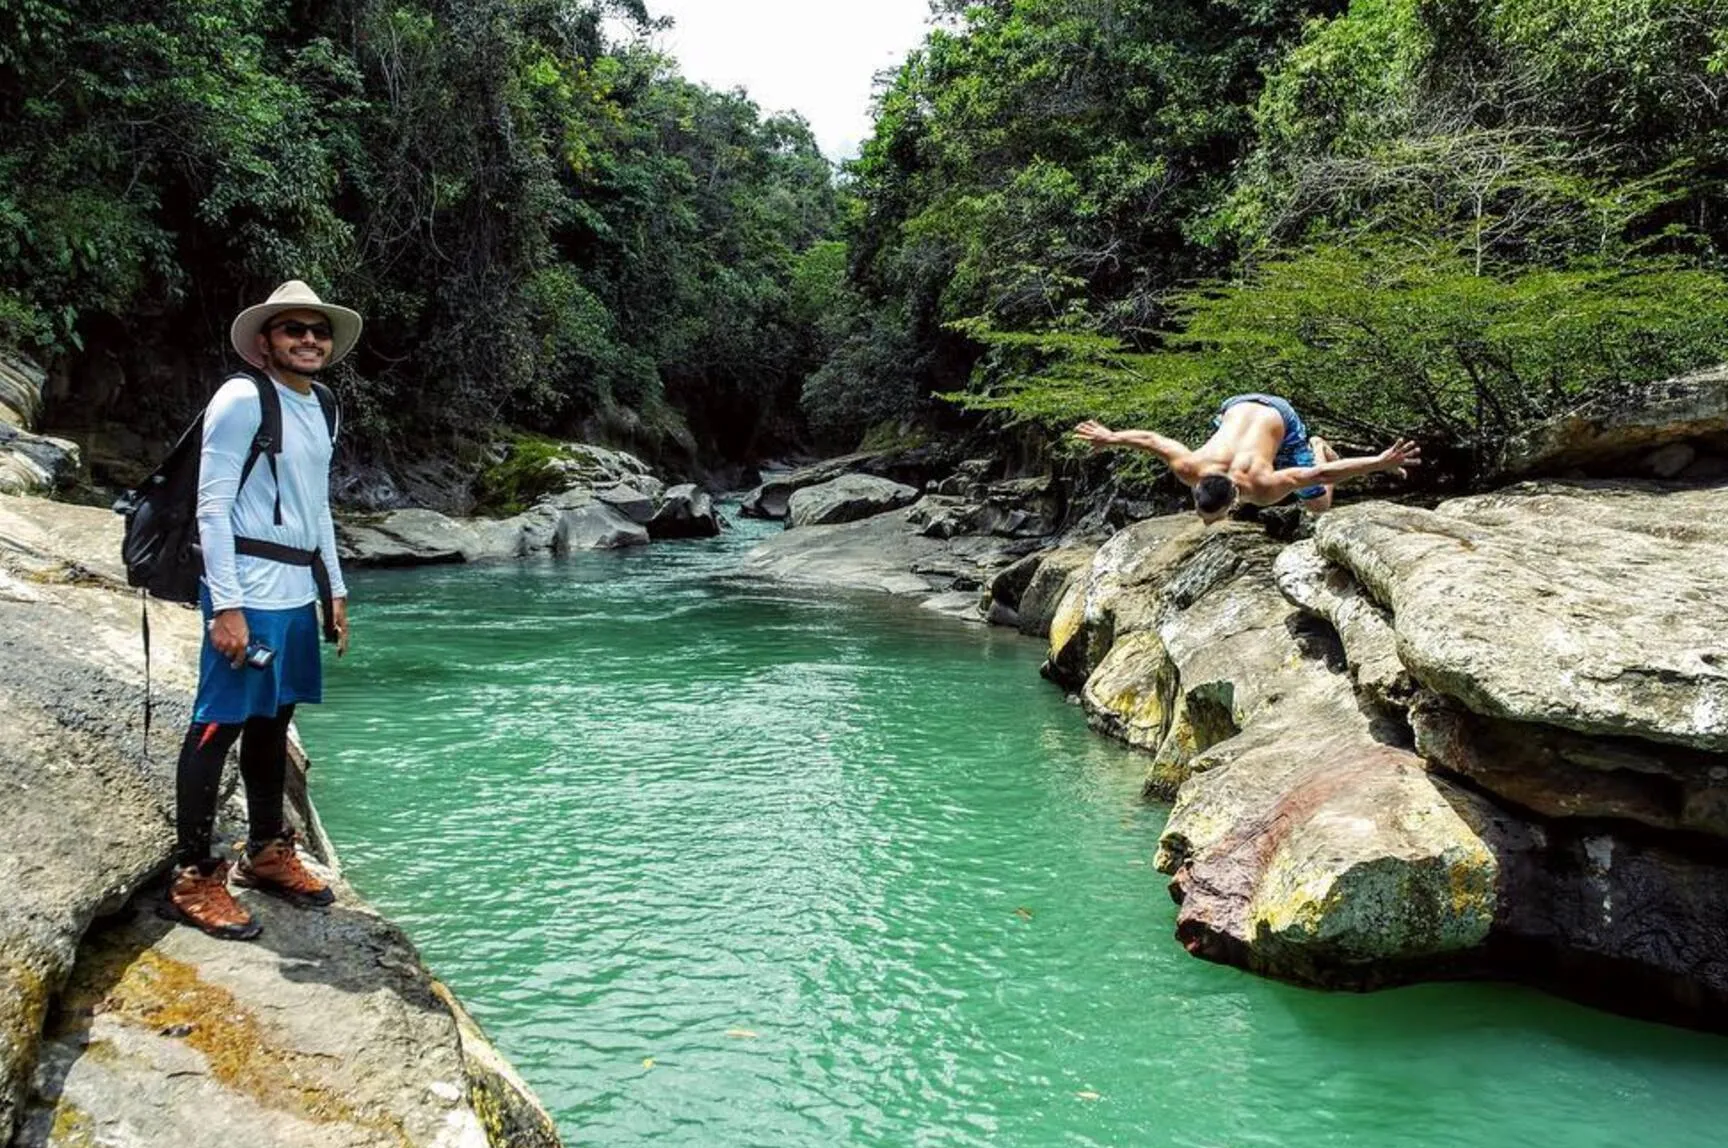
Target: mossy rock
(527, 473)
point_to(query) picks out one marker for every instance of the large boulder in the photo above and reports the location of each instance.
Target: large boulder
(1329, 858)
(1026, 595)
(846, 499)
(1589, 607)
(583, 464)
(883, 553)
(913, 466)
(138, 1032)
(35, 464)
(1562, 656)
(1675, 428)
(21, 384)
(685, 512)
(768, 500)
(405, 538)
(1117, 593)
(1021, 507)
(629, 500)
(1301, 843)
(596, 527)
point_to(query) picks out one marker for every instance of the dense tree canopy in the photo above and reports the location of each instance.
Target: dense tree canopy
(1448, 217)
(540, 226)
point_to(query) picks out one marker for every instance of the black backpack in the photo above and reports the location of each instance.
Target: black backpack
(160, 543)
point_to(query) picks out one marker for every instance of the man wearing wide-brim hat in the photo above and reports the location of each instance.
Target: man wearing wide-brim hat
(269, 551)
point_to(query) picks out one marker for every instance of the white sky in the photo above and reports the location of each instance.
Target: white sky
(817, 57)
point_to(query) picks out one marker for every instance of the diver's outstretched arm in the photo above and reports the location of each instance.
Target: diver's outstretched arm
(1396, 457)
(1099, 436)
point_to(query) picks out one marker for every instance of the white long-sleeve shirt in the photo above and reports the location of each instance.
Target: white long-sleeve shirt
(303, 469)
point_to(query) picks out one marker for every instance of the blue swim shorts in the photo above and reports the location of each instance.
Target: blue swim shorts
(1293, 449)
(228, 696)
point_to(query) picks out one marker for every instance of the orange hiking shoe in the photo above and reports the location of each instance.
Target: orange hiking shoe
(202, 899)
(276, 868)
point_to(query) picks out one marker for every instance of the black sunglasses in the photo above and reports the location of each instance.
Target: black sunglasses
(295, 329)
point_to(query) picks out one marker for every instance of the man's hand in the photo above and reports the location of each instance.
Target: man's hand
(228, 633)
(1095, 434)
(1399, 455)
(339, 619)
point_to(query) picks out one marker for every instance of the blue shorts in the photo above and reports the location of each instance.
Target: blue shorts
(228, 696)
(1294, 449)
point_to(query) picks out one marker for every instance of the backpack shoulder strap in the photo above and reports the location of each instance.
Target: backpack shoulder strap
(332, 409)
(268, 441)
(268, 438)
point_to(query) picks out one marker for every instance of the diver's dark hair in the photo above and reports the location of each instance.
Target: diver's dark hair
(1214, 494)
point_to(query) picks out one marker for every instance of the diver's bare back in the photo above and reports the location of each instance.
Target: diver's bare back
(1246, 444)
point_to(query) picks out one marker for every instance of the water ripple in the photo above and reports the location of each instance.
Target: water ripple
(719, 865)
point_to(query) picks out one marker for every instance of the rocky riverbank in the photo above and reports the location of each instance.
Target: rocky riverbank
(1488, 738)
(119, 1028)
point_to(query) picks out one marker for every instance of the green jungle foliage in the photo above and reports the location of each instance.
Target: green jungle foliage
(1439, 217)
(1436, 217)
(541, 227)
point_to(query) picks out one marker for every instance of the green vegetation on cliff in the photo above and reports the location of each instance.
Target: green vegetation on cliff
(1447, 217)
(1441, 217)
(541, 226)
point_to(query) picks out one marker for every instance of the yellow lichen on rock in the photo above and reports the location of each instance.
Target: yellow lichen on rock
(1070, 616)
(1132, 690)
(159, 994)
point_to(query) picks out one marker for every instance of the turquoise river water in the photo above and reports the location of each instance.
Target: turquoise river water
(717, 863)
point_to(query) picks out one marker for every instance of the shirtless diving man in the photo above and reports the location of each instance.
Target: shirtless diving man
(1259, 453)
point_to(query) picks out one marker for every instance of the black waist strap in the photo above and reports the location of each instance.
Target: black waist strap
(289, 556)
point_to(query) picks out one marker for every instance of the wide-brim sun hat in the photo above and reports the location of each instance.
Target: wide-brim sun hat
(294, 296)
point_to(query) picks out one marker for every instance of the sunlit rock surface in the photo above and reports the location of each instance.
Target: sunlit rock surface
(328, 1030)
(1487, 738)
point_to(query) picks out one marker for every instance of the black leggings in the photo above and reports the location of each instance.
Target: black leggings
(263, 765)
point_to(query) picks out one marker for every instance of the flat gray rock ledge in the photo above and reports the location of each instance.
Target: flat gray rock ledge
(1591, 607)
